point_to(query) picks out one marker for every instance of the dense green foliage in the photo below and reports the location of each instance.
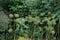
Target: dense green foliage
(35, 19)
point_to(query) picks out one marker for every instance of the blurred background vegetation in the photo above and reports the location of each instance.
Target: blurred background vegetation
(29, 19)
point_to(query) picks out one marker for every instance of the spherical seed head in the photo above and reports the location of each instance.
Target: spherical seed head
(11, 15)
(16, 15)
(10, 30)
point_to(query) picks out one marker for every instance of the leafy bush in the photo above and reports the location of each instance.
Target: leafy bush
(35, 19)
